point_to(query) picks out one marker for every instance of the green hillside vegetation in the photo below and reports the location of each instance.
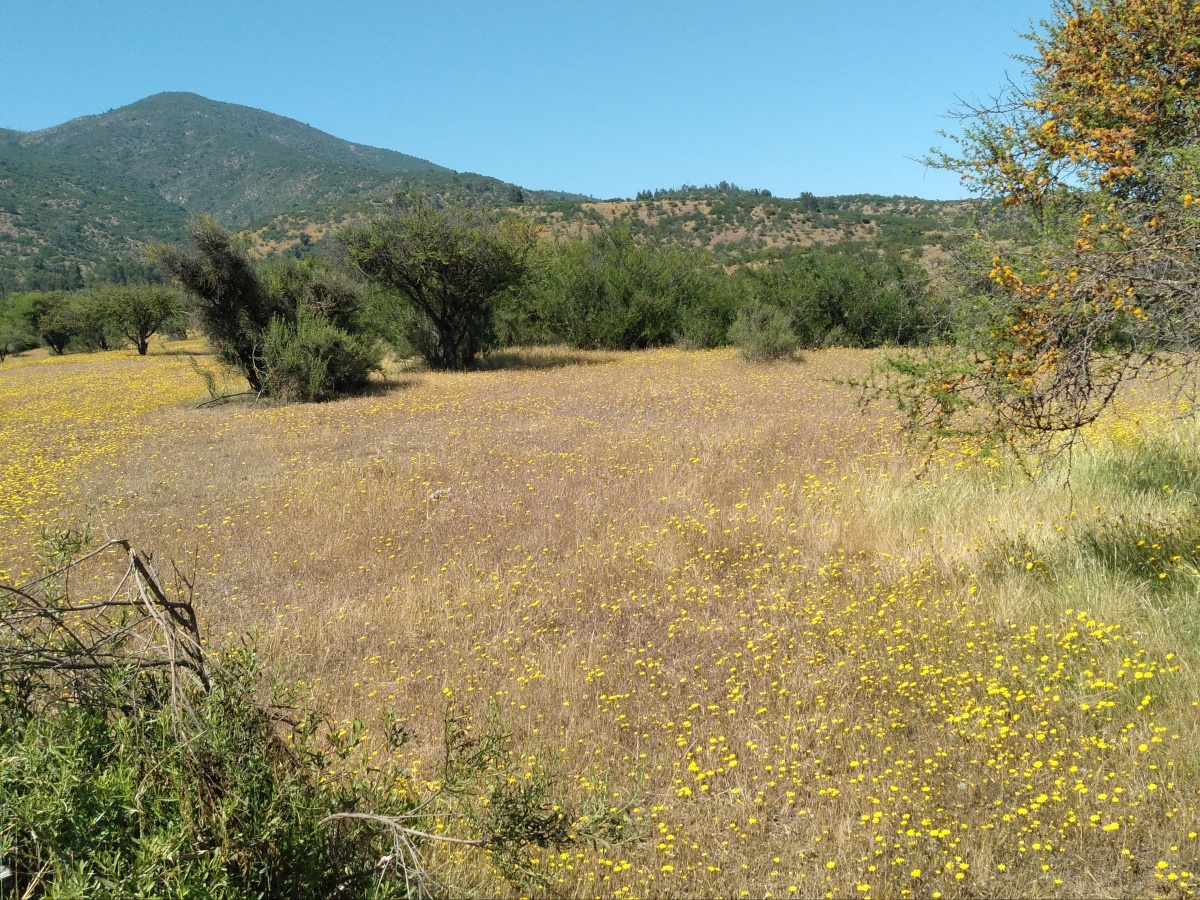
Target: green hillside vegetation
(57, 222)
(80, 204)
(80, 195)
(231, 161)
(733, 225)
(737, 224)
(80, 201)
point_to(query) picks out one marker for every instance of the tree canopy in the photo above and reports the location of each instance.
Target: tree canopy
(450, 264)
(1095, 157)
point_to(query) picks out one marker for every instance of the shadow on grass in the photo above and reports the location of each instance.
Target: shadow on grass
(1156, 553)
(377, 387)
(522, 358)
(381, 385)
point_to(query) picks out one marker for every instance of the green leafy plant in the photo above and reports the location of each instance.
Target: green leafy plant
(139, 763)
(764, 332)
(311, 359)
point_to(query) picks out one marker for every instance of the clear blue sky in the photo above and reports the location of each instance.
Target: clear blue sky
(604, 97)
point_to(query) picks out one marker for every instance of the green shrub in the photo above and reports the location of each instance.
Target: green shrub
(763, 332)
(311, 359)
(837, 297)
(121, 796)
(610, 292)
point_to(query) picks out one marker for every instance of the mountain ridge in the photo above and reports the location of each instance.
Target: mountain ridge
(73, 194)
(78, 196)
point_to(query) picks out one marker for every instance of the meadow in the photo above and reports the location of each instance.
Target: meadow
(807, 660)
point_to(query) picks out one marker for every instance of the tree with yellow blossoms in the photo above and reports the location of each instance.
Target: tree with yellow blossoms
(1095, 154)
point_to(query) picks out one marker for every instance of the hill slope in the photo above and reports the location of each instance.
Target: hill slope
(74, 194)
(231, 161)
(79, 195)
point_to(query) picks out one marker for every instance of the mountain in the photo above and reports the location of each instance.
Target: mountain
(73, 195)
(80, 200)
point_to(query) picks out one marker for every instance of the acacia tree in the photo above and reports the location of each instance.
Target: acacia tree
(1097, 152)
(55, 320)
(139, 311)
(449, 264)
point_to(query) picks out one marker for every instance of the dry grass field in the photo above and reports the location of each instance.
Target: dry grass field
(812, 663)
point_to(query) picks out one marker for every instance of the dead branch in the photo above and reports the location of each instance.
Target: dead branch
(55, 647)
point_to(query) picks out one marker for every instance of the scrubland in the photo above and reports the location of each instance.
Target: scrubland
(811, 661)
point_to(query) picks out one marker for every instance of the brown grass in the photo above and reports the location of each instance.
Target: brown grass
(711, 585)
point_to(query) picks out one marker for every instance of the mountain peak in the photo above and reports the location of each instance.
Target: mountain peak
(102, 184)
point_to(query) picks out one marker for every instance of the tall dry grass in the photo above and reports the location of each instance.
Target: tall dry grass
(820, 666)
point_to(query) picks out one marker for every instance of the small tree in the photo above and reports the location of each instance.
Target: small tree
(231, 304)
(15, 333)
(56, 322)
(139, 311)
(449, 264)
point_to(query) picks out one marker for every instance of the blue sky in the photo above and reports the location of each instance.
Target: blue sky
(604, 98)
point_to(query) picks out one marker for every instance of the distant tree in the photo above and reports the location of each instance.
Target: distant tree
(15, 333)
(449, 264)
(56, 321)
(92, 329)
(138, 312)
(124, 270)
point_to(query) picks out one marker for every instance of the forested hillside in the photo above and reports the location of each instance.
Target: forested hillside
(75, 195)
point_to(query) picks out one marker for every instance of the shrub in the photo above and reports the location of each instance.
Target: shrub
(230, 302)
(763, 332)
(609, 292)
(847, 298)
(311, 359)
(138, 764)
(271, 322)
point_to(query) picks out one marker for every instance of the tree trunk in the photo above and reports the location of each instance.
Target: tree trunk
(449, 347)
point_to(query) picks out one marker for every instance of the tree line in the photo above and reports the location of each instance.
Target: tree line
(450, 283)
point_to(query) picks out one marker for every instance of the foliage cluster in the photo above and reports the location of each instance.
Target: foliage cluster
(763, 332)
(452, 283)
(1097, 155)
(278, 325)
(97, 319)
(609, 291)
(448, 265)
(612, 291)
